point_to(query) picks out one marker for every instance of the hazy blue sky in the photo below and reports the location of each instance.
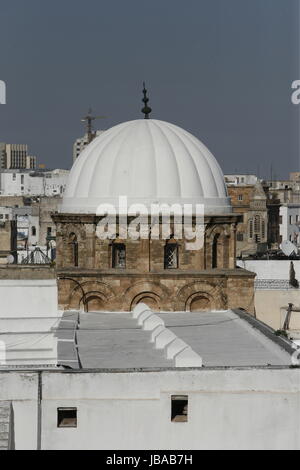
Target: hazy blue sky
(221, 69)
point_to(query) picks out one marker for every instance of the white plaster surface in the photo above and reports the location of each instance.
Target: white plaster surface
(149, 161)
(227, 409)
(23, 298)
(28, 319)
(270, 269)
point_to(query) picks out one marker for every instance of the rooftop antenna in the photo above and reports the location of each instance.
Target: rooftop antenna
(89, 118)
(146, 109)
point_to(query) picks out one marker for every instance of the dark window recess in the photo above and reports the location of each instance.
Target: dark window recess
(118, 255)
(171, 256)
(215, 251)
(75, 254)
(49, 230)
(67, 417)
(179, 408)
(74, 249)
(240, 236)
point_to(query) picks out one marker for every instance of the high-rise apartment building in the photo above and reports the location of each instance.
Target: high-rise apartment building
(15, 156)
(82, 142)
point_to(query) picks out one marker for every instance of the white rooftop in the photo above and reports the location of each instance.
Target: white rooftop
(165, 340)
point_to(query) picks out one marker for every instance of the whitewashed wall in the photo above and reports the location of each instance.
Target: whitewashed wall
(286, 227)
(19, 184)
(26, 297)
(272, 269)
(22, 389)
(28, 316)
(228, 409)
(240, 409)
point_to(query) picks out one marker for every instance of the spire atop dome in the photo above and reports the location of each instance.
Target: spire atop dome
(146, 109)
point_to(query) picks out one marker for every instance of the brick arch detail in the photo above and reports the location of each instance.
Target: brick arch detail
(145, 289)
(143, 296)
(103, 290)
(214, 292)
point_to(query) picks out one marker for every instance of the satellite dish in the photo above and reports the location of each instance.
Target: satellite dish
(288, 248)
(10, 259)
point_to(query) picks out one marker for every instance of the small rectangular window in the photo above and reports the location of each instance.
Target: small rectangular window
(119, 255)
(67, 417)
(240, 197)
(171, 256)
(179, 408)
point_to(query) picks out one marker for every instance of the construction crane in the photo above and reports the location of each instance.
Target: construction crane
(89, 118)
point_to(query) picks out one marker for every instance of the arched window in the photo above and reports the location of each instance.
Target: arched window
(214, 263)
(33, 231)
(257, 228)
(119, 255)
(257, 224)
(171, 255)
(74, 249)
(263, 229)
(251, 228)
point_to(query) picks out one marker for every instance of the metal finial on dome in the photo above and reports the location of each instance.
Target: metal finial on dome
(146, 109)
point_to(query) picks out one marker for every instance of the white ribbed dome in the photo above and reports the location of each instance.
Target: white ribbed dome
(148, 161)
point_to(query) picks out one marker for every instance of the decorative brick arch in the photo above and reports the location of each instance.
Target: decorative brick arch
(214, 293)
(198, 302)
(149, 298)
(79, 294)
(145, 289)
(93, 301)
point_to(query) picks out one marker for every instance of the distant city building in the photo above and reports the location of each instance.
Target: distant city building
(26, 224)
(82, 142)
(33, 183)
(251, 201)
(295, 176)
(287, 191)
(290, 223)
(15, 156)
(240, 179)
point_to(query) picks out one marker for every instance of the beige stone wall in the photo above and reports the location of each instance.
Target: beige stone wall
(27, 272)
(253, 203)
(7, 240)
(11, 201)
(143, 255)
(95, 284)
(169, 292)
(271, 305)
